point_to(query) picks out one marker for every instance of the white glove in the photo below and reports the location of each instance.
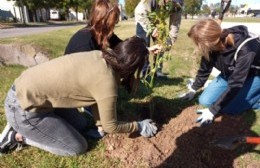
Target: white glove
(191, 93)
(147, 128)
(206, 117)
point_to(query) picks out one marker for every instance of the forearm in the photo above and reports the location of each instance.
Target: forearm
(108, 118)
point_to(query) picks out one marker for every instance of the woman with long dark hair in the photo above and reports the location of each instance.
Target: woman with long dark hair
(41, 104)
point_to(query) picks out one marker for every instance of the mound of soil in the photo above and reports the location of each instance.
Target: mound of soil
(180, 142)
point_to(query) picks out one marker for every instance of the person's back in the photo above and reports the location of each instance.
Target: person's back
(52, 84)
(81, 41)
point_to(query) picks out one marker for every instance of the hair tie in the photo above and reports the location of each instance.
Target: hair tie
(224, 34)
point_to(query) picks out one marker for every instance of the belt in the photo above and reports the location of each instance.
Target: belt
(13, 88)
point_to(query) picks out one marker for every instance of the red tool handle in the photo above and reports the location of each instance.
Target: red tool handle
(253, 140)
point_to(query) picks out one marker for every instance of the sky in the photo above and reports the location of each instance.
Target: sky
(237, 2)
(234, 2)
(122, 2)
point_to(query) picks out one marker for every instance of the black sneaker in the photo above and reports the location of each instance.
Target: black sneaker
(8, 141)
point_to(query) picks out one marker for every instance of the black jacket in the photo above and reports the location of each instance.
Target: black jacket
(83, 40)
(236, 72)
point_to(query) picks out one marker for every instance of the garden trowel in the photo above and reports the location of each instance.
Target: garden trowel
(231, 142)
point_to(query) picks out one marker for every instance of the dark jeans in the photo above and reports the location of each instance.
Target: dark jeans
(55, 130)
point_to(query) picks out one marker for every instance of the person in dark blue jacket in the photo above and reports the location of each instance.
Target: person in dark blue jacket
(237, 88)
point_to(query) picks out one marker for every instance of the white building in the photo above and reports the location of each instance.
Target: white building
(8, 6)
(250, 9)
(54, 14)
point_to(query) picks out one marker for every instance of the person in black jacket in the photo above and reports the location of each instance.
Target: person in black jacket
(237, 88)
(98, 34)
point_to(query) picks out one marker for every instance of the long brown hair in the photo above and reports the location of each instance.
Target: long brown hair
(127, 58)
(103, 17)
(208, 36)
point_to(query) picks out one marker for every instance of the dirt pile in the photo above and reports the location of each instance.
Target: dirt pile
(180, 142)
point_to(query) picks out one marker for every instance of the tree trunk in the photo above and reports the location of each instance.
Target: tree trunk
(67, 14)
(22, 10)
(15, 16)
(41, 16)
(186, 16)
(76, 9)
(34, 16)
(86, 15)
(47, 14)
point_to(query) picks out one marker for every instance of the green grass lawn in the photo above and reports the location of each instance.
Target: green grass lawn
(182, 65)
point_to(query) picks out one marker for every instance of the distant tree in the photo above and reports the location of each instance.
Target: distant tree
(130, 7)
(192, 7)
(32, 6)
(74, 4)
(205, 9)
(20, 4)
(233, 9)
(85, 6)
(217, 7)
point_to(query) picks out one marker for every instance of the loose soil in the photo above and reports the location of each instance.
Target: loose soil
(180, 142)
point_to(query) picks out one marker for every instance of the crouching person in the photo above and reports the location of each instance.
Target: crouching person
(41, 106)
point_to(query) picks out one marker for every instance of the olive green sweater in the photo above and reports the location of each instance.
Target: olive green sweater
(77, 80)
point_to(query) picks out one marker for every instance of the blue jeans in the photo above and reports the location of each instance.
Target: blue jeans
(53, 130)
(247, 98)
(140, 32)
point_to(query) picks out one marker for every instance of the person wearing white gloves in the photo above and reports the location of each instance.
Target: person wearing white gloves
(237, 88)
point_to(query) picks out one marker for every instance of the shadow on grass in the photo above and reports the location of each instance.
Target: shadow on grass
(144, 91)
(159, 109)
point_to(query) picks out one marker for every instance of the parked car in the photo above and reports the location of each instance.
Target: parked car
(257, 15)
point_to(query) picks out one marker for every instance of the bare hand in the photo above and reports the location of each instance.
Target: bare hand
(155, 48)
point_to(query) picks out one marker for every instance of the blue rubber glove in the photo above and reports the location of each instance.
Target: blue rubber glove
(147, 128)
(205, 118)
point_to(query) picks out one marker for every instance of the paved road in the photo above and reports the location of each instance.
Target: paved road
(22, 31)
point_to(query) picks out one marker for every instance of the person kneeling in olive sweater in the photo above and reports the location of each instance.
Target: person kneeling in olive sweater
(41, 106)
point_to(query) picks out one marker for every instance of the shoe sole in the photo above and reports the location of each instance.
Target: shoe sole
(5, 132)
